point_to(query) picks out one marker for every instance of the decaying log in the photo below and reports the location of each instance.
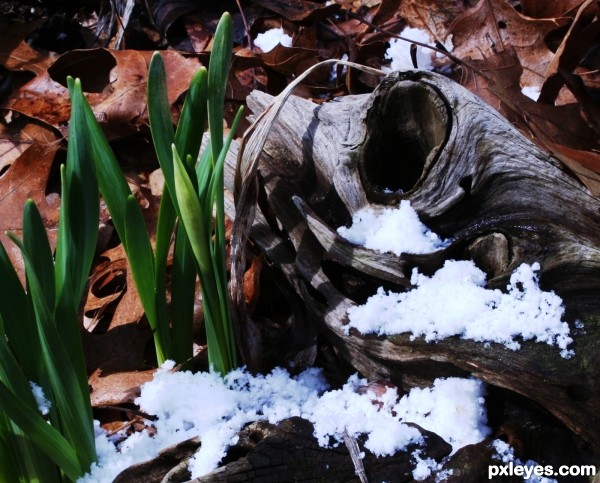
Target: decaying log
(473, 179)
(288, 451)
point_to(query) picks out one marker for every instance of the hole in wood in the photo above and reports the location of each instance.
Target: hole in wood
(405, 130)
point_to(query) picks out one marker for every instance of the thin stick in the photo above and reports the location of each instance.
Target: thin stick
(245, 24)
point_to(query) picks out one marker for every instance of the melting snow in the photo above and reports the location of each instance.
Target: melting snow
(215, 408)
(268, 40)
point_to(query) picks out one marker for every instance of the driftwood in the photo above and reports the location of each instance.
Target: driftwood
(472, 178)
(288, 451)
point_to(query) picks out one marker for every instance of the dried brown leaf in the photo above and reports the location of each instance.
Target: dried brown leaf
(117, 388)
(107, 284)
(27, 178)
(252, 283)
(493, 26)
(299, 10)
(289, 61)
(119, 350)
(119, 102)
(582, 35)
(168, 11)
(433, 15)
(16, 54)
(550, 9)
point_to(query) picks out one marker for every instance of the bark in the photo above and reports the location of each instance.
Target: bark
(289, 452)
(472, 178)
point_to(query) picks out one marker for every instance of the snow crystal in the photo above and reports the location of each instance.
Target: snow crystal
(506, 454)
(40, 398)
(396, 230)
(399, 50)
(455, 302)
(268, 40)
(533, 92)
(424, 467)
(215, 408)
(453, 409)
(344, 410)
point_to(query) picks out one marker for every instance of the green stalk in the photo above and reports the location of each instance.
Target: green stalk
(187, 139)
(197, 223)
(127, 218)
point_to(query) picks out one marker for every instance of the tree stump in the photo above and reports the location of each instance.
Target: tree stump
(473, 179)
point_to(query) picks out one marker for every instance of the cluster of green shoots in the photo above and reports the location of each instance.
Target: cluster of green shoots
(40, 338)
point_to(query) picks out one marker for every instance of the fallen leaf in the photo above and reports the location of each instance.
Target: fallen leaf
(117, 388)
(289, 61)
(166, 12)
(119, 350)
(107, 284)
(436, 16)
(580, 38)
(549, 9)
(493, 26)
(252, 283)
(17, 136)
(584, 164)
(27, 178)
(299, 10)
(495, 79)
(16, 54)
(128, 309)
(120, 106)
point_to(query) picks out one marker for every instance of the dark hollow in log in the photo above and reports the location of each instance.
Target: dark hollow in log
(396, 155)
(472, 178)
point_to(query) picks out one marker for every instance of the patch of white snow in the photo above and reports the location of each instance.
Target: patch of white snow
(270, 39)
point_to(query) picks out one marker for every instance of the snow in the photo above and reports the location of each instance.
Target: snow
(454, 301)
(395, 230)
(533, 92)
(40, 398)
(450, 404)
(215, 408)
(268, 40)
(506, 454)
(399, 50)
(424, 467)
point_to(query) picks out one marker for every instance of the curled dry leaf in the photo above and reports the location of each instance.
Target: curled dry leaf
(117, 388)
(128, 309)
(27, 177)
(289, 61)
(252, 283)
(16, 54)
(580, 38)
(433, 15)
(568, 131)
(546, 9)
(118, 79)
(166, 12)
(493, 26)
(299, 10)
(107, 284)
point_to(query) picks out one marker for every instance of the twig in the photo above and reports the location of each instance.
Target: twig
(354, 451)
(245, 24)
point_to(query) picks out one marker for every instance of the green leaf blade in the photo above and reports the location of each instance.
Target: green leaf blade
(218, 72)
(141, 261)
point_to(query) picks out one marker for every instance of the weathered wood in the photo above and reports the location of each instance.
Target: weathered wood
(472, 178)
(288, 451)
